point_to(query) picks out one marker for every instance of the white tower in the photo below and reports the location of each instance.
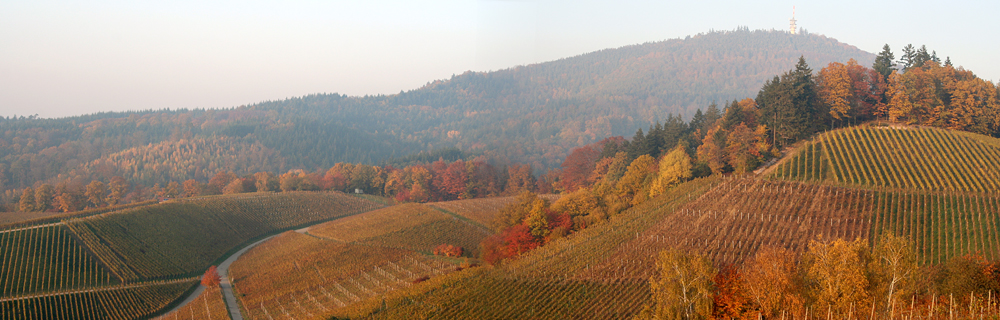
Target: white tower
(791, 23)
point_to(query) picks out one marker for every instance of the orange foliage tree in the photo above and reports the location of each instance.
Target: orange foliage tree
(211, 277)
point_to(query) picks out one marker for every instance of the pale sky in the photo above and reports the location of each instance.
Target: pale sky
(64, 58)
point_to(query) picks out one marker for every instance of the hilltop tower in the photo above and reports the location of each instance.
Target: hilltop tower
(791, 23)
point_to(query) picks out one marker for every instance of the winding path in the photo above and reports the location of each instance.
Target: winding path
(225, 284)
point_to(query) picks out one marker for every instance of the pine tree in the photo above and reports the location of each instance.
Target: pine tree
(789, 105)
(909, 54)
(884, 63)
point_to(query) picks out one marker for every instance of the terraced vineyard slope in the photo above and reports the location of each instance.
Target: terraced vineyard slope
(307, 277)
(131, 263)
(897, 158)
(547, 283)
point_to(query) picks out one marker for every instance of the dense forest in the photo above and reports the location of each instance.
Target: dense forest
(531, 114)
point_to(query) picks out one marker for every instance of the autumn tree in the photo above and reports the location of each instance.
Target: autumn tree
(835, 274)
(835, 89)
(27, 201)
(730, 300)
(633, 188)
(578, 166)
(69, 202)
(681, 287)
(338, 177)
(514, 213)
(95, 193)
(363, 177)
(219, 181)
(713, 149)
(537, 220)
(964, 275)
(265, 181)
(117, 190)
(674, 168)
(43, 197)
(581, 203)
(742, 149)
(290, 180)
(769, 279)
(894, 263)
(211, 277)
(234, 186)
(192, 188)
(519, 179)
(173, 190)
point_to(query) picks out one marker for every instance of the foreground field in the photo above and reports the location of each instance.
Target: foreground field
(134, 262)
(207, 306)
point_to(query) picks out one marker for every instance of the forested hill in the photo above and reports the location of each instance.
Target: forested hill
(530, 114)
(536, 113)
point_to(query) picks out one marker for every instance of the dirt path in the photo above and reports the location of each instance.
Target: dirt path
(226, 285)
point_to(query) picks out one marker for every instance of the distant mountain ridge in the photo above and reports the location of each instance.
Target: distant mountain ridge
(550, 107)
(531, 114)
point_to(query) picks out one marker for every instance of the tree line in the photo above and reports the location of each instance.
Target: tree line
(436, 181)
(833, 279)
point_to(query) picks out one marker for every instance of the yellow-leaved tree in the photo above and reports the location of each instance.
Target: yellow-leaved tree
(834, 85)
(682, 287)
(835, 276)
(769, 279)
(632, 188)
(675, 167)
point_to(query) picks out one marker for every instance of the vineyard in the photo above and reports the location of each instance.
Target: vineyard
(183, 238)
(47, 259)
(897, 158)
(732, 221)
(130, 263)
(545, 283)
(378, 222)
(483, 211)
(207, 306)
(116, 302)
(305, 277)
(487, 297)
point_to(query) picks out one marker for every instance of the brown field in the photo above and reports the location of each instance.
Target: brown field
(378, 222)
(484, 210)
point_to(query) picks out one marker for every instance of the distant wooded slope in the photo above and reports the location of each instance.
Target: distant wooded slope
(531, 114)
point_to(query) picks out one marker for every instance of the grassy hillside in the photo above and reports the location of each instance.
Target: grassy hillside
(130, 263)
(897, 158)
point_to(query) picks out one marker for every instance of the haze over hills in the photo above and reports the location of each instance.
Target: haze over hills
(530, 114)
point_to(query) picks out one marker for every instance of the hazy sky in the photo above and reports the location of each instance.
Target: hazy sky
(62, 58)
